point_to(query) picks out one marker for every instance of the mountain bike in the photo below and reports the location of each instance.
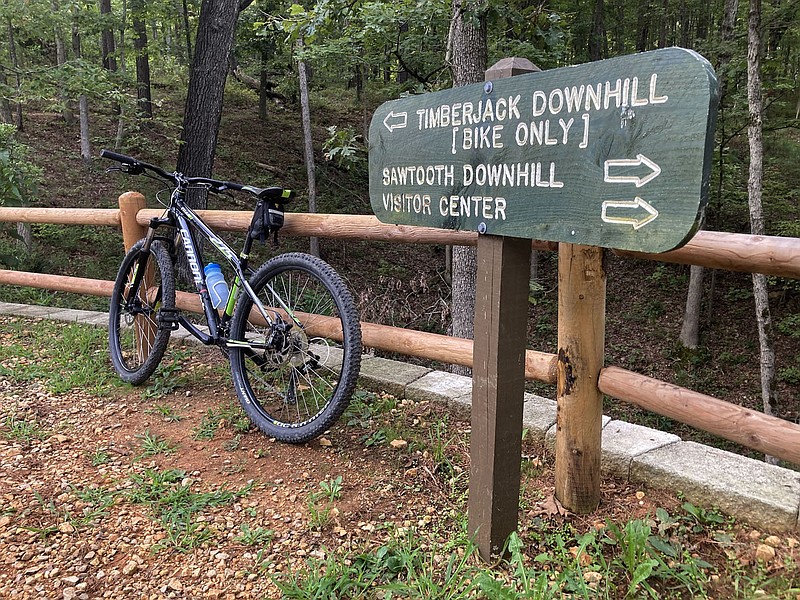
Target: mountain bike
(289, 328)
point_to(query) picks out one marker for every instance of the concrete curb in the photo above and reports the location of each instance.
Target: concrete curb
(765, 495)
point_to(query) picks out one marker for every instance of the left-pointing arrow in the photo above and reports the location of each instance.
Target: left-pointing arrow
(618, 216)
(395, 120)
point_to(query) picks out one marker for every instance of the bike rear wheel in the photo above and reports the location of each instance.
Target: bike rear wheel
(295, 378)
(137, 337)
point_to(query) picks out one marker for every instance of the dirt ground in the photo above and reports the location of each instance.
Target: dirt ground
(111, 496)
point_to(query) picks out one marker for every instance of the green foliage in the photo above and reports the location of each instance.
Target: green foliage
(153, 444)
(229, 414)
(344, 148)
(22, 428)
(254, 537)
(174, 504)
(69, 356)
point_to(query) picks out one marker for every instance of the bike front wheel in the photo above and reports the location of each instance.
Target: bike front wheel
(145, 287)
(295, 376)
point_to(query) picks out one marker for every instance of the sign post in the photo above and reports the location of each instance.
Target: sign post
(498, 376)
(613, 154)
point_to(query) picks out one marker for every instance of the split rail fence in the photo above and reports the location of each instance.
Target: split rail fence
(776, 256)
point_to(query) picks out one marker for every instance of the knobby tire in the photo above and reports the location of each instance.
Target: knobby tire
(301, 383)
(137, 338)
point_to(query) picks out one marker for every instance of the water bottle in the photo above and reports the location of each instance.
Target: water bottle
(215, 282)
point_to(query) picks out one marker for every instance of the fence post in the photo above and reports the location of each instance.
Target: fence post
(581, 340)
(498, 375)
(130, 203)
(145, 329)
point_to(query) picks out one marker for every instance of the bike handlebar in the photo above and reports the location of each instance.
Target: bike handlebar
(137, 167)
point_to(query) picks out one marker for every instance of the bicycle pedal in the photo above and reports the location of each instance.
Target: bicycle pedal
(168, 318)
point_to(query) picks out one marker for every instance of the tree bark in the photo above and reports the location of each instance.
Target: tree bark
(143, 89)
(108, 46)
(308, 147)
(61, 59)
(467, 55)
(598, 44)
(206, 87)
(187, 31)
(754, 190)
(83, 101)
(12, 52)
(6, 114)
(690, 331)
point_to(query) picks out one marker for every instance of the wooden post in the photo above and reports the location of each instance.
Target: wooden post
(581, 339)
(130, 203)
(498, 376)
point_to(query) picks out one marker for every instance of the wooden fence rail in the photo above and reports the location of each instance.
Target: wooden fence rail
(738, 252)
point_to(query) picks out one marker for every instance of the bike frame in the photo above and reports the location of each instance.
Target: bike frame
(186, 222)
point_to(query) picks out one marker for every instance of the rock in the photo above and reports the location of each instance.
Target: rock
(130, 567)
(175, 584)
(66, 528)
(773, 540)
(765, 553)
(398, 444)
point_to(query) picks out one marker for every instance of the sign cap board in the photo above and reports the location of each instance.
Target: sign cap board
(615, 153)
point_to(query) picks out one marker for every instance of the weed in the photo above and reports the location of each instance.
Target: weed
(175, 506)
(166, 379)
(230, 414)
(233, 443)
(166, 412)
(99, 457)
(153, 444)
(332, 489)
(23, 429)
(69, 356)
(319, 515)
(95, 511)
(254, 537)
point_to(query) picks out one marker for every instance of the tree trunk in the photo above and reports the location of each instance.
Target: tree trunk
(754, 189)
(263, 84)
(108, 46)
(61, 59)
(121, 45)
(690, 331)
(187, 31)
(6, 114)
(206, 86)
(308, 147)
(467, 53)
(83, 102)
(143, 89)
(598, 45)
(12, 52)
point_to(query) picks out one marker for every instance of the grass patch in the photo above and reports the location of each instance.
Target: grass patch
(22, 428)
(62, 356)
(176, 506)
(153, 444)
(230, 414)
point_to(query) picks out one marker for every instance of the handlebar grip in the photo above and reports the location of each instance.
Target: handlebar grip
(128, 160)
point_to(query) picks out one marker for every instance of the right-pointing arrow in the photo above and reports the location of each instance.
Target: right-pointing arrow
(640, 159)
(623, 206)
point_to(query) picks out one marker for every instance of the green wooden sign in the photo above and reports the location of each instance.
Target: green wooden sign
(615, 153)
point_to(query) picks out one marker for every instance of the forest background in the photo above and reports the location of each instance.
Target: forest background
(290, 88)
